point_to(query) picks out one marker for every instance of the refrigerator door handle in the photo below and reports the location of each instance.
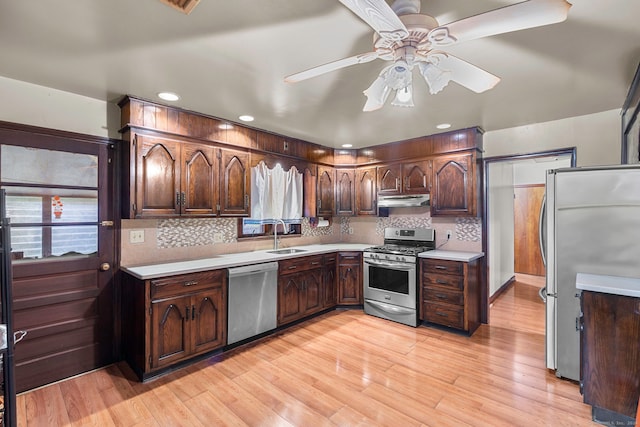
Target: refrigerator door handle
(542, 293)
(541, 229)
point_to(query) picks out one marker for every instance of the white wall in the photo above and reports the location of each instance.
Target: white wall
(500, 224)
(30, 104)
(596, 137)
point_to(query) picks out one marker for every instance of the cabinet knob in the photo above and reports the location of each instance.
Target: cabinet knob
(105, 266)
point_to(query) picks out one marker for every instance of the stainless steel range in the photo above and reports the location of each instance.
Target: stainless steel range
(390, 274)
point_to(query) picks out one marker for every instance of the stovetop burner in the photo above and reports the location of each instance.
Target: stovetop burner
(399, 249)
(401, 241)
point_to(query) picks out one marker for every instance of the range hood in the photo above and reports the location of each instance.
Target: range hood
(403, 201)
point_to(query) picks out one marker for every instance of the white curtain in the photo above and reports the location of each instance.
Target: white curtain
(276, 194)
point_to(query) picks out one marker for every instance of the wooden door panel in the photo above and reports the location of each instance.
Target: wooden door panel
(527, 256)
(345, 186)
(208, 317)
(366, 192)
(313, 291)
(289, 298)
(158, 181)
(389, 178)
(326, 189)
(169, 331)
(234, 183)
(416, 177)
(198, 180)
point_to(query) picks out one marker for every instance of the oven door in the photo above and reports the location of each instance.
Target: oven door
(391, 283)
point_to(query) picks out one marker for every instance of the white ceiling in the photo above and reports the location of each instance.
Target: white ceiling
(229, 58)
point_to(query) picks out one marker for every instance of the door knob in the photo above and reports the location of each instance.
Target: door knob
(105, 266)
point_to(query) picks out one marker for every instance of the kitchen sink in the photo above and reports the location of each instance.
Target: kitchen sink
(287, 251)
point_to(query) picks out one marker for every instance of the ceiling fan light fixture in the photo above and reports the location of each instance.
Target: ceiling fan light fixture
(376, 94)
(404, 97)
(436, 77)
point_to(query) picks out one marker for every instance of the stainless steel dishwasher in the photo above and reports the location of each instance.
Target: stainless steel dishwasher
(253, 295)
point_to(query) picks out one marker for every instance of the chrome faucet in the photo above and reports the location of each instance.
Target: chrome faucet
(275, 232)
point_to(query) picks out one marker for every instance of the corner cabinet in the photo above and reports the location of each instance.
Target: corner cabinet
(173, 319)
(450, 293)
(454, 191)
(170, 178)
(350, 278)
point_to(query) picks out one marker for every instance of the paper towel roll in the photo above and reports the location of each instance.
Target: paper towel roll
(323, 223)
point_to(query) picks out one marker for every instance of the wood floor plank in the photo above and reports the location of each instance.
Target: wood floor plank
(341, 368)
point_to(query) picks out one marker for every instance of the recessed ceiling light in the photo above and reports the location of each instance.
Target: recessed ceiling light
(347, 145)
(443, 126)
(168, 96)
(225, 126)
(246, 118)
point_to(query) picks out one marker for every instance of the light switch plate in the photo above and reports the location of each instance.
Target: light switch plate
(136, 236)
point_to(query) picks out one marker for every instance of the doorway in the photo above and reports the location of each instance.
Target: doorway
(514, 187)
(60, 200)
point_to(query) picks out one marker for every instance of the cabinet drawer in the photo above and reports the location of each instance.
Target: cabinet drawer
(349, 258)
(446, 296)
(443, 281)
(294, 265)
(442, 266)
(443, 314)
(186, 283)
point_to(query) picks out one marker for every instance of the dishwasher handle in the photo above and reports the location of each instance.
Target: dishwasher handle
(252, 269)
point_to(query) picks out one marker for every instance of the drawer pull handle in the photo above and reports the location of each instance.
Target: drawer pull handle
(441, 282)
(348, 257)
(440, 267)
(441, 296)
(187, 312)
(190, 283)
(292, 267)
(441, 314)
(315, 263)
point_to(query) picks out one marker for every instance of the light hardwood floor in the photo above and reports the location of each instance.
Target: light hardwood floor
(343, 368)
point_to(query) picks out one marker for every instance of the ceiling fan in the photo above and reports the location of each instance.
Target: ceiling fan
(410, 39)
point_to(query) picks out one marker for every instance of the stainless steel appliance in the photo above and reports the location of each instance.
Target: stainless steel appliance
(252, 308)
(390, 274)
(592, 221)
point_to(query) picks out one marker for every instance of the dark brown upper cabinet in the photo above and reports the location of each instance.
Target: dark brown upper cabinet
(177, 178)
(389, 179)
(454, 185)
(326, 188)
(234, 183)
(404, 178)
(366, 201)
(345, 188)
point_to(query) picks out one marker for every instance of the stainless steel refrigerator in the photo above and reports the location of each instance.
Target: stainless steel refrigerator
(592, 226)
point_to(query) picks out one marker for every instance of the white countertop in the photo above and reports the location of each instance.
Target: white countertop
(626, 286)
(154, 271)
(452, 255)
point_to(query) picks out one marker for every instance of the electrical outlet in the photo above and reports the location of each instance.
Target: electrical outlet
(350, 230)
(217, 237)
(448, 234)
(136, 236)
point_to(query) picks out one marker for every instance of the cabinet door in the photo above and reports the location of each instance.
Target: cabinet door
(326, 188)
(313, 297)
(453, 186)
(416, 177)
(234, 183)
(199, 179)
(366, 191)
(310, 190)
(169, 331)
(329, 284)
(157, 177)
(208, 320)
(349, 278)
(290, 289)
(345, 186)
(389, 179)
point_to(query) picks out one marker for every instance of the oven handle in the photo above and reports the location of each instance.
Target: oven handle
(392, 266)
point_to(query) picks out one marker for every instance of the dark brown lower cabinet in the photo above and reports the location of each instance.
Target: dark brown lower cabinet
(610, 351)
(301, 291)
(350, 278)
(450, 293)
(329, 281)
(172, 319)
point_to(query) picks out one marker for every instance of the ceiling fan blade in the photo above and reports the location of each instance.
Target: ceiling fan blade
(331, 66)
(460, 71)
(520, 16)
(379, 15)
